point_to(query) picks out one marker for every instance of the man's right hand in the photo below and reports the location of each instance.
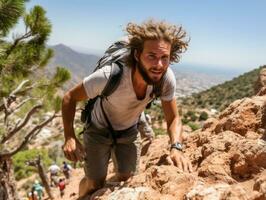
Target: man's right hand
(73, 149)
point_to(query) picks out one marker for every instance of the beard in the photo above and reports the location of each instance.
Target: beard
(144, 74)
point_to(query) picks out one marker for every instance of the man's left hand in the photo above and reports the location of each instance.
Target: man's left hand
(178, 159)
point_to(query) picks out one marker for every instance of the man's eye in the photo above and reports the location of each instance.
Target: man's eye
(166, 58)
(151, 57)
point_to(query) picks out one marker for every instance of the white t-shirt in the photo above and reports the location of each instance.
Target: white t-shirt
(122, 107)
(54, 169)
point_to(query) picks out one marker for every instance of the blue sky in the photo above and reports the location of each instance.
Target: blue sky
(228, 34)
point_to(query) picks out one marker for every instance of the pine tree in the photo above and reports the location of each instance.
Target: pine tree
(25, 91)
(10, 11)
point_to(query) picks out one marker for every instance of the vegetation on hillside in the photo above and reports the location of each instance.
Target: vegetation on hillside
(193, 109)
(22, 170)
(220, 96)
(191, 117)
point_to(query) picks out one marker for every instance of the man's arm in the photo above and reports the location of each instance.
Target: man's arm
(174, 129)
(174, 125)
(72, 148)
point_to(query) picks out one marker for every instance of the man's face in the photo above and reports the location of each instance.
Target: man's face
(154, 60)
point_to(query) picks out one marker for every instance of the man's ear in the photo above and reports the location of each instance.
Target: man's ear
(136, 55)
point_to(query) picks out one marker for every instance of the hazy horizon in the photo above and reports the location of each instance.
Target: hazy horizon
(228, 34)
(186, 67)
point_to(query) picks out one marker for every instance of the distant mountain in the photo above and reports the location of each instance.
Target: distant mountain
(97, 52)
(220, 96)
(79, 64)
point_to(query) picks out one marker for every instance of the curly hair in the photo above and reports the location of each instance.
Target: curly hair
(156, 30)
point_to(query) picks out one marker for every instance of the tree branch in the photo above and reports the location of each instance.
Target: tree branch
(12, 111)
(19, 87)
(22, 92)
(17, 40)
(21, 104)
(12, 96)
(21, 125)
(27, 138)
(6, 102)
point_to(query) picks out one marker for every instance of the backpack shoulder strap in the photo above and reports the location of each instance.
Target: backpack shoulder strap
(114, 79)
(110, 87)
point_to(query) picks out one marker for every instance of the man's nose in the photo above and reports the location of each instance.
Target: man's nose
(159, 63)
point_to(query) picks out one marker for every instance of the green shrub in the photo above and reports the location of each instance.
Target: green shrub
(191, 115)
(203, 116)
(21, 169)
(159, 131)
(193, 118)
(193, 126)
(185, 120)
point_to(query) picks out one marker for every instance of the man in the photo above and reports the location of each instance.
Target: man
(153, 46)
(39, 189)
(66, 168)
(146, 132)
(144, 127)
(62, 186)
(54, 169)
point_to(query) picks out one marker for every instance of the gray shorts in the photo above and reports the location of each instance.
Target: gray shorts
(99, 150)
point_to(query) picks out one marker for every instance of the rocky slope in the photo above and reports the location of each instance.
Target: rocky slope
(228, 156)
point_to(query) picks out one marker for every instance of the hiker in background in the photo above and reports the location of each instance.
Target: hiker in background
(33, 195)
(66, 168)
(61, 186)
(142, 68)
(39, 189)
(30, 196)
(144, 127)
(146, 133)
(54, 170)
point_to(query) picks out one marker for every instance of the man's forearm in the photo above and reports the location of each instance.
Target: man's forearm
(175, 131)
(68, 114)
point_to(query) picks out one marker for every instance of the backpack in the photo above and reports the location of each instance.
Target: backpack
(114, 56)
(62, 185)
(66, 167)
